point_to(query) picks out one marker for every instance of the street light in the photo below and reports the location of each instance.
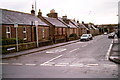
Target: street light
(16, 26)
(36, 24)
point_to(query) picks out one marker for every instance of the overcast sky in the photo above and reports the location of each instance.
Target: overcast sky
(95, 11)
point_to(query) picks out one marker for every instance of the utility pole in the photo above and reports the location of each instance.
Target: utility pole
(119, 19)
(36, 24)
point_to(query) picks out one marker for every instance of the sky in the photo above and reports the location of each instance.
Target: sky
(94, 11)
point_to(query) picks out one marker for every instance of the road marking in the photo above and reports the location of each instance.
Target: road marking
(46, 64)
(110, 65)
(74, 50)
(84, 45)
(64, 63)
(92, 64)
(30, 64)
(51, 60)
(108, 52)
(55, 51)
(77, 65)
(4, 63)
(60, 65)
(62, 50)
(17, 64)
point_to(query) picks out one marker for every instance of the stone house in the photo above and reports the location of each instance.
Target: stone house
(72, 29)
(57, 28)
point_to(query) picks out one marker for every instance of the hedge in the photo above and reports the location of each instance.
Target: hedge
(9, 41)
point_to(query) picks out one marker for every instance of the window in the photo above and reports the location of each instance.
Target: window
(43, 33)
(8, 32)
(64, 30)
(24, 30)
(24, 33)
(60, 31)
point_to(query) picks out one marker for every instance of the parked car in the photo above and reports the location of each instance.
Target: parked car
(86, 37)
(111, 35)
(90, 36)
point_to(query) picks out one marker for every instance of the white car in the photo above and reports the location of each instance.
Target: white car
(86, 37)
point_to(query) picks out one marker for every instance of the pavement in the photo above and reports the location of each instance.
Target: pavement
(20, 53)
(115, 51)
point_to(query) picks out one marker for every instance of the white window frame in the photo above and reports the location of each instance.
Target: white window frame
(8, 32)
(24, 33)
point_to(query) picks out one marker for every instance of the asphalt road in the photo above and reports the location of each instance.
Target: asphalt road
(78, 60)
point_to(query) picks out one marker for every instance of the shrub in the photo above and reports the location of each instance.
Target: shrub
(73, 35)
(8, 41)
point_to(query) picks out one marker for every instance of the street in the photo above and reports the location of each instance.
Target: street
(87, 59)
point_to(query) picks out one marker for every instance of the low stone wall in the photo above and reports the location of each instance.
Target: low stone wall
(23, 46)
(60, 40)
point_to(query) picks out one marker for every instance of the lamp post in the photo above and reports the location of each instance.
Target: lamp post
(37, 42)
(16, 27)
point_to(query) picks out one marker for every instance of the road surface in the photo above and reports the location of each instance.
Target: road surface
(77, 60)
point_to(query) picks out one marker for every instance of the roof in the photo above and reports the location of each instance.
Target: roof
(69, 25)
(88, 26)
(55, 22)
(75, 23)
(12, 17)
(94, 27)
(83, 26)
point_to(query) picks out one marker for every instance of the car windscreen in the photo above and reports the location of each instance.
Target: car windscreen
(84, 35)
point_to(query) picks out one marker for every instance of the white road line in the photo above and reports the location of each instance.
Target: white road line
(30, 64)
(64, 63)
(108, 52)
(4, 63)
(60, 65)
(17, 64)
(110, 65)
(51, 60)
(62, 50)
(92, 64)
(46, 64)
(84, 45)
(74, 50)
(77, 65)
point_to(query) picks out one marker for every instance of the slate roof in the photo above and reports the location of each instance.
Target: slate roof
(94, 27)
(69, 25)
(55, 22)
(88, 26)
(75, 23)
(83, 26)
(11, 17)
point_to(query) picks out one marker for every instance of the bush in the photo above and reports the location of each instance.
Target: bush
(73, 35)
(6, 41)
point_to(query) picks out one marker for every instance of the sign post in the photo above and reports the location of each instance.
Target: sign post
(16, 26)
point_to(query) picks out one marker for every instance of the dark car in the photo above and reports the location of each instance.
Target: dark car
(111, 35)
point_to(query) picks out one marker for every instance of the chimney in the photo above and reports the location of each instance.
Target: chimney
(52, 14)
(83, 22)
(33, 11)
(77, 21)
(65, 19)
(39, 13)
